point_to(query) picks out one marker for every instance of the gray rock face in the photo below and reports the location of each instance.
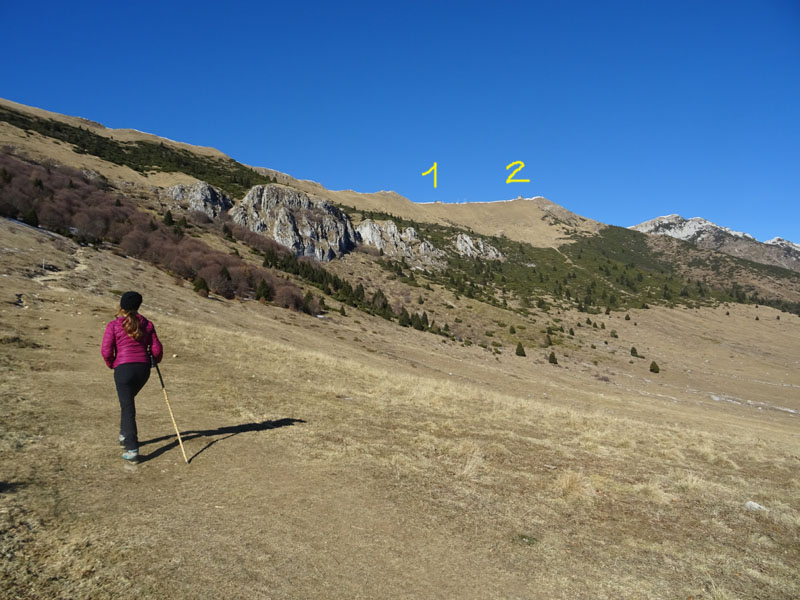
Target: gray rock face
(201, 197)
(293, 219)
(476, 248)
(705, 234)
(407, 243)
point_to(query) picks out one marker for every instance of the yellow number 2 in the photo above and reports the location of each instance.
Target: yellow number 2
(517, 170)
(433, 168)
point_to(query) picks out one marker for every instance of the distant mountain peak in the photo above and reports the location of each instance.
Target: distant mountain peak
(704, 233)
(689, 230)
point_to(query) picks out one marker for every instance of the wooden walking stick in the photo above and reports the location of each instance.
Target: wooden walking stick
(166, 399)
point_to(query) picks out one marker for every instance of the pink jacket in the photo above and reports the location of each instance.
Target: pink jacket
(120, 348)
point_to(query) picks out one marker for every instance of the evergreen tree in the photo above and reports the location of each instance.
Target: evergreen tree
(511, 330)
(200, 286)
(168, 220)
(31, 218)
(633, 352)
(654, 367)
(264, 291)
(552, 358)
(520, 350)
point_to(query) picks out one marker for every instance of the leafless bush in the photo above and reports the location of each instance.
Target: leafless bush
(198, 217)
(82, 205)
(288, 296)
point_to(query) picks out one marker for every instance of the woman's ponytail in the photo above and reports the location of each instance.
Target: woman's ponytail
(131, 325)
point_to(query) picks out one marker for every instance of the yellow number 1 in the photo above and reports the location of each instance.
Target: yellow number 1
(433, 168)
(517, 170)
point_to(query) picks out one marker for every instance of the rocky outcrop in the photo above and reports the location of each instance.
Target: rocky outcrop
(407, 244)
(708, 235)
(476, 248)
(309, 227)
(200, 197)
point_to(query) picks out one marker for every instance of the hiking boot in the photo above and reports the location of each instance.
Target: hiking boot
(121, 440)
(131, 455)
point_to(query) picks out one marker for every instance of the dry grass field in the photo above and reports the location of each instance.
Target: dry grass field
(346, 457)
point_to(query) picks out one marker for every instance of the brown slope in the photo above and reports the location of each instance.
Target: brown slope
(536, 220)
(432, 469)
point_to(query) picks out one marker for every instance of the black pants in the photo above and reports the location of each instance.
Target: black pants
(130, 378)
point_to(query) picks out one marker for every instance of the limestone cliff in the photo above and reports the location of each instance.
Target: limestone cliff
(401, 244)
(200, 197)
(476, 248)
(308, 227)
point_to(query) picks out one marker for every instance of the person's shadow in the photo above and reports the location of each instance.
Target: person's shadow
(228, 432)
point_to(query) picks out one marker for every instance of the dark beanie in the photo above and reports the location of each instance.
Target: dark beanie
(130, 301)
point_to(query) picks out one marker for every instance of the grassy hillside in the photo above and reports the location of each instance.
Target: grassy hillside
(145, 157)
(614, 269)
(347, 457)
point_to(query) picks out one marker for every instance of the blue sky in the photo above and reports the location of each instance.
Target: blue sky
(621, 110)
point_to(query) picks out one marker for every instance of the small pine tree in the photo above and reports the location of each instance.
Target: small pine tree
(264, 291)
(627, 317)
(633, 351)
(32, 219)
(571, 331)
(552, 358)
(405, 319)
(654, 367)
(512, 331)
(200, 286)
(520, 350)
(168, 220)
(420, 300)
(548, 341)
(341, 311)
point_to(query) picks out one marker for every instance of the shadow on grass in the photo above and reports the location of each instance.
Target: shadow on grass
(10, 486)
(228, 432)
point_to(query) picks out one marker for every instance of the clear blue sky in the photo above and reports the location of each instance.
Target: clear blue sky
(621, 111)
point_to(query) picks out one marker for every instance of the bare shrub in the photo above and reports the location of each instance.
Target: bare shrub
(198, 217)
(82, 204)
(288, 296)
(134, 243)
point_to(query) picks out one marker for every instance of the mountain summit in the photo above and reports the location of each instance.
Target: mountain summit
(705, 234)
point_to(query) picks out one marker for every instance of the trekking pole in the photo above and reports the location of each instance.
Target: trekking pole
(166, 399)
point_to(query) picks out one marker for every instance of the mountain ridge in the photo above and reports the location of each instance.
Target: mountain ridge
(549, 256)
(707, 234)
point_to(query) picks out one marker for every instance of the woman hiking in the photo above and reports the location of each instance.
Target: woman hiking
(128, 343)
